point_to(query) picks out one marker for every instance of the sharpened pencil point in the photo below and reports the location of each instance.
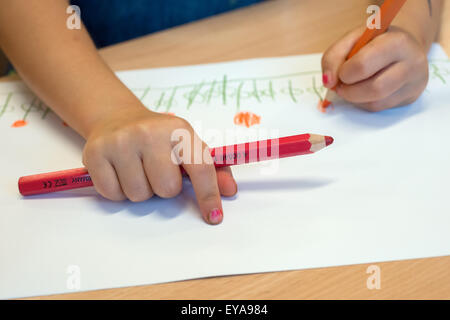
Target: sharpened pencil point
(328, 140)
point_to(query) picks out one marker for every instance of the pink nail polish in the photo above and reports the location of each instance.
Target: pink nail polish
(325, 79)
(215, 216)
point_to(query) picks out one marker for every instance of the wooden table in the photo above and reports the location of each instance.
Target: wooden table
(274, 28)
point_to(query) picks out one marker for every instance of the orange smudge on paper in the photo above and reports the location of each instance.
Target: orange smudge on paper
(323, 105)
(247, 119)
(19, 123)
(65, 124)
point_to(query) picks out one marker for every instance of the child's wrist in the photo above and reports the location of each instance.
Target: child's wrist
(423, 38)
(424, 31)
(102, 112)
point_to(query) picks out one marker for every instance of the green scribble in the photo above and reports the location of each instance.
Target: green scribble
(146, 91)
(240, 91)
(315, 89)
(255, 91)
(435, 71)
(229, 81)
(160, 100)
(27, 111)
(44, 115)
(170, 102)
(210, 92)
(291, 92)
(271, 91)
(5, 105)
(194, 92)
(224, 90)
(238, 96)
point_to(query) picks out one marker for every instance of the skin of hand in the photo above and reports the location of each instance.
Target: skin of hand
(128, 147)
(128, 155)
(392, 69)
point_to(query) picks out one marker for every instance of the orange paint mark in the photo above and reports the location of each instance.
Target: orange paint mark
(323, 105)
(19, 123)
(65, 124)
(247, 119)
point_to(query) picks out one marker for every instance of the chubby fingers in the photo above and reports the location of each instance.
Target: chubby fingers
(132, 177)
(390, 71)
(378, 87)
(226, 182)
(195, 157)
(103, 174)
(399, 98)
(164, 175)
(335, 56)
(377, 55)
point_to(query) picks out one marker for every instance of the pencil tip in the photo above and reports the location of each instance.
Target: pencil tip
(328, 140)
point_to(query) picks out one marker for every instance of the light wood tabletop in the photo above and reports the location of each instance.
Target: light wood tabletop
(273, 28)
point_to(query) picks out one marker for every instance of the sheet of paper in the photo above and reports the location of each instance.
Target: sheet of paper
(379, 193)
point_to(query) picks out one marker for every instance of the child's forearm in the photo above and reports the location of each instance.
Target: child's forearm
(60, 65)
(422, 18)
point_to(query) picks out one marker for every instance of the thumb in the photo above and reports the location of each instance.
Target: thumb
(335, 56)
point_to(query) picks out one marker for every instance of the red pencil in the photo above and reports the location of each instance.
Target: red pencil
(222, 156)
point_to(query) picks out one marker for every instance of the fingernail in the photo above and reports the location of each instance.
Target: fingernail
(325, 79)
(215, 216)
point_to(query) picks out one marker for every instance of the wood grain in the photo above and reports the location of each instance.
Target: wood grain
(274, 28)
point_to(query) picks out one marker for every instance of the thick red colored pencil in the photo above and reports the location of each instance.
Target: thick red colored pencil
(222, 156)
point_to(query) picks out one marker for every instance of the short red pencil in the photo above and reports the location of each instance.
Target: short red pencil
(222, 156)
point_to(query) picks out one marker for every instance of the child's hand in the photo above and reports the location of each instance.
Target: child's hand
(128, 155)
(390, 71)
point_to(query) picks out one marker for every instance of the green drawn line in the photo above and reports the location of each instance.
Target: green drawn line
(238, 96)
(193, 94)
(272, 93)
(291, 92)
(169, 104)
(160, 100)
(29, 109)
(290, 75)
(46, 111)
(147, 90)
(255, 91)
(437, 73)
(44, 115)
(5, 105)
(211, 90)
(315, 89)
(224, 90)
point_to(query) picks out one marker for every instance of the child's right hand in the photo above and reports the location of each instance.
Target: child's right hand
(128, 155)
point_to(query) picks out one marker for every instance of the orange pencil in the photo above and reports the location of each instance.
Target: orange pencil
(388, 12)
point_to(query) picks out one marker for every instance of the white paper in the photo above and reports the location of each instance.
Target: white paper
(379, 193)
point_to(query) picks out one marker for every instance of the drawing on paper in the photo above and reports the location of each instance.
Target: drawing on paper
(222, 92)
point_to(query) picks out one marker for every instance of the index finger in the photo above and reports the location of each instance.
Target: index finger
(204, 179)
(336, 55)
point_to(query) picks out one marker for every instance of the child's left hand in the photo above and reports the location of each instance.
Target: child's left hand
(390, 71)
